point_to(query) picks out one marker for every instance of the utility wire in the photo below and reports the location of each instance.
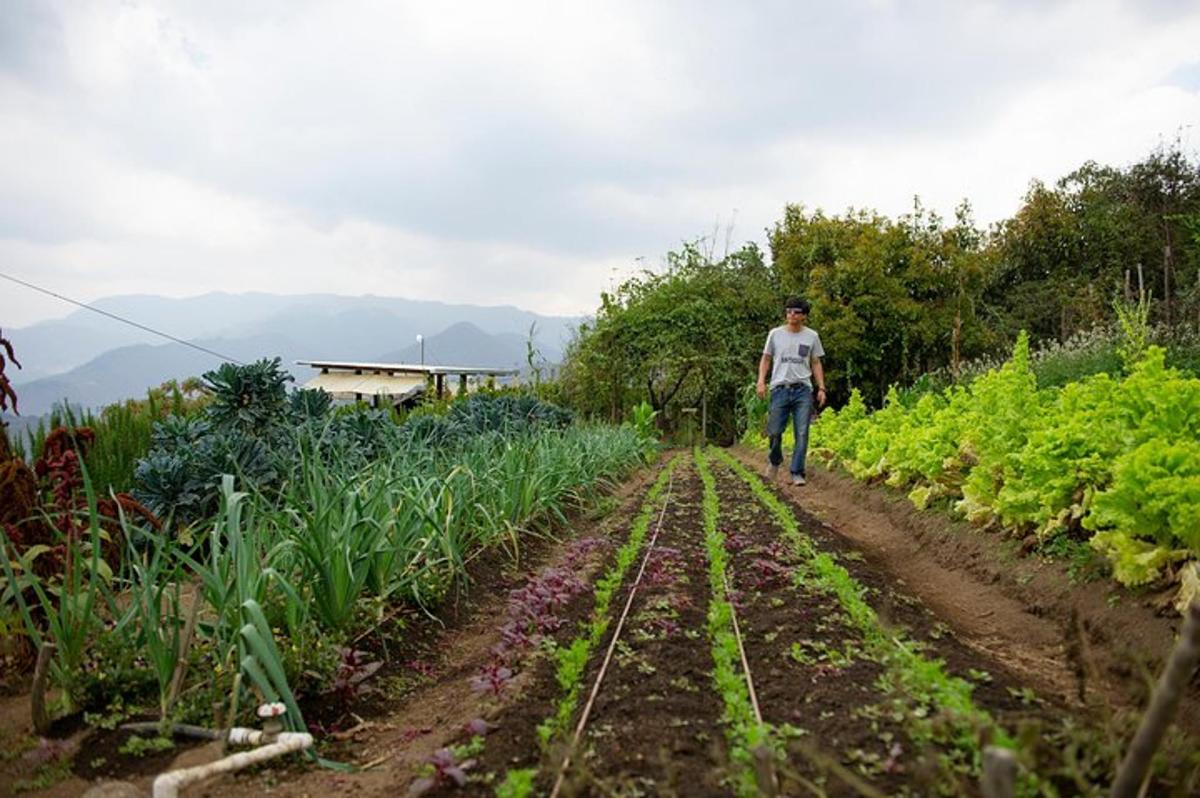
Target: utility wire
(123, 320)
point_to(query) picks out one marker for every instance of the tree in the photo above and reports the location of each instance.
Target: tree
(891, 299)
(688, 335)
(1100, 231)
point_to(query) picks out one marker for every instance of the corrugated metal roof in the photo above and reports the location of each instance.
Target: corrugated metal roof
(348, 385)
(408, 368)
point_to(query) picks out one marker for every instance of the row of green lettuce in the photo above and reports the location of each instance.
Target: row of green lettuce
(1110, 459)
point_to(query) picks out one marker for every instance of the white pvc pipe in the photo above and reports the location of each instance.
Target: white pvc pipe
(168, 784)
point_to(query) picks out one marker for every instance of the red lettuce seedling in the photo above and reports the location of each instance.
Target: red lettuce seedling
(531, 614)
(477, 728)
(765, 571)
(428, 670)
(737, 542)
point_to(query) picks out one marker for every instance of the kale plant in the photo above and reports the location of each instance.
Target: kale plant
(251, 398)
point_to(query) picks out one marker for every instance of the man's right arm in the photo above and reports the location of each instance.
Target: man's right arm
(764, 368)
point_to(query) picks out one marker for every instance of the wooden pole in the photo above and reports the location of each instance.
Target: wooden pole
(1163, 705)
(999, 772)
(37, 694)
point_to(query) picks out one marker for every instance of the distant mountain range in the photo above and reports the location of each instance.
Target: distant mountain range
(91, 360)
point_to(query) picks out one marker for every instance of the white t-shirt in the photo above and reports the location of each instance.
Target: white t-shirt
(791, 354)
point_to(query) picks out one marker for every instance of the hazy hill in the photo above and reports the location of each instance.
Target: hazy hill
(127, 372)
(109, 361)
(464, 344)
(321, 325)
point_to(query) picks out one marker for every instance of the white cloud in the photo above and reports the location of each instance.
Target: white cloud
(522, 152)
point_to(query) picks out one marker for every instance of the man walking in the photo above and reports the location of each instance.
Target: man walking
(793, 355)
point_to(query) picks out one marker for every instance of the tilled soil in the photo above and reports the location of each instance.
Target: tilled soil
(655, 723)
(807, 663)
(655, 728)
(1088, 643)
(812, 673)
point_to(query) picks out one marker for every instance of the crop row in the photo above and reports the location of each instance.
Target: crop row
(571, 659)
(276, 588)
(1113, 460)
(747, 735)
(908, 672)
(793, 588)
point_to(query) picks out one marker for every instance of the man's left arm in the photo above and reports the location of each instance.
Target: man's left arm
(818, 372)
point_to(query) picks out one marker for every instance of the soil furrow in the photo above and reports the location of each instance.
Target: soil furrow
(655, 728)
(810, 673)
(515, 716)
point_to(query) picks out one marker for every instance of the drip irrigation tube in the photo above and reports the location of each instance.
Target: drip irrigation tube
(742, 651)
(587, 708)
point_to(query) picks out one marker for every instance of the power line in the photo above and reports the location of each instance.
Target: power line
(123, 320)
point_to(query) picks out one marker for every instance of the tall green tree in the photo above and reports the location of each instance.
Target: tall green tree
(1099, 232)
(891, 299)
(685, 337)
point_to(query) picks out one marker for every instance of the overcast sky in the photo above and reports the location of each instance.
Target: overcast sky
(531, 153)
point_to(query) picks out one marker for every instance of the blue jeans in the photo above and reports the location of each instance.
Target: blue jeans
(793, 402)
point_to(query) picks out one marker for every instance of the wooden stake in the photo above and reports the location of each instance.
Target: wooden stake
(1163, 705)
(999, 772)
(37, 695)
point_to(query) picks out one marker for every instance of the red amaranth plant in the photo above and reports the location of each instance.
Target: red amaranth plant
(352, 672)
(446, 771)
(8, 396)
(58, 467)
(533, 613)
(60, 473)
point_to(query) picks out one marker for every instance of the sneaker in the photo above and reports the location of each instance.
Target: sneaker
(772, 472)
(798, 479)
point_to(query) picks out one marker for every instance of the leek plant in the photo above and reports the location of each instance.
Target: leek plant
(339, 529)
(239, 567)
(336, 529)
(154, 585)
